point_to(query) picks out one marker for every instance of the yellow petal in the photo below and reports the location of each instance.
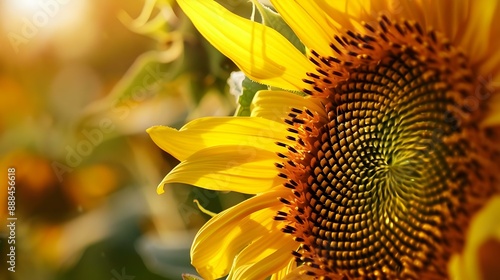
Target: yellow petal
(443, 16)
(488, 67)
(260, 52)
(493, 119)
(208, 132)
(263, 257)
(279, 275)
(298, 273)
(404, 10)
(484, 226)
(276, 105)
(491, 94)
(225, 235)
(348, 14)
(309, 22)
(489, 70)
(481, 29)
(242, 169)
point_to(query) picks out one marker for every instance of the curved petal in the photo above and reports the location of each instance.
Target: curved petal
(484, 226)
(409, 10)
(492, 87)
(242, 169)
(260, 52)
(482, 30)
(298, 273)
(489, 69)
(229, 232)
(309, 22)
(263, 257)
(444, 16)
(217, 131)
(348, 14)
(489, 63)
(282, 273)
(493, 117)
(276, 105)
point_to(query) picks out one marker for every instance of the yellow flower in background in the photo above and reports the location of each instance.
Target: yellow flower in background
(484, 231)
(379, 170)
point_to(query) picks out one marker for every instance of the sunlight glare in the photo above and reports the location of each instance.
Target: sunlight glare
(33, 24)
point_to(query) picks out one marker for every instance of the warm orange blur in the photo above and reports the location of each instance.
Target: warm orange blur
(80, 81)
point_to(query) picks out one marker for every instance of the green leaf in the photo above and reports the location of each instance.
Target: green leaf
(144, 80)
(270, 18)
(265, 15)
(242, 8)
(250, 88)
(186, 276)
(275, 21)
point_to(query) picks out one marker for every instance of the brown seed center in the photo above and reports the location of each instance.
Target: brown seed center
(383, 185)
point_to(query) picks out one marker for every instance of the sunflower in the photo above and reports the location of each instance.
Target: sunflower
(376, 168)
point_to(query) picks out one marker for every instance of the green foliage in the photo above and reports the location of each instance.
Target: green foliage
(250, 88)
(272, 19)
(275, 21)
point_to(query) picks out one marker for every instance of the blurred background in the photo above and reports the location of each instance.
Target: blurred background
(80, 82)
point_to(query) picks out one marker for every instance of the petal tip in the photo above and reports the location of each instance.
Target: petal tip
(160, 189)
(154, 129)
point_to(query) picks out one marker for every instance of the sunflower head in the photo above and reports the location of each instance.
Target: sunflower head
(384, 182)
(377, 171)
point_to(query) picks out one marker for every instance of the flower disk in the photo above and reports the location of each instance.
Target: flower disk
(382, 178)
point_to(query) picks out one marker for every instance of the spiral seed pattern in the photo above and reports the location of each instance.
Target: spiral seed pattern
(382, 180)
(379, 181)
